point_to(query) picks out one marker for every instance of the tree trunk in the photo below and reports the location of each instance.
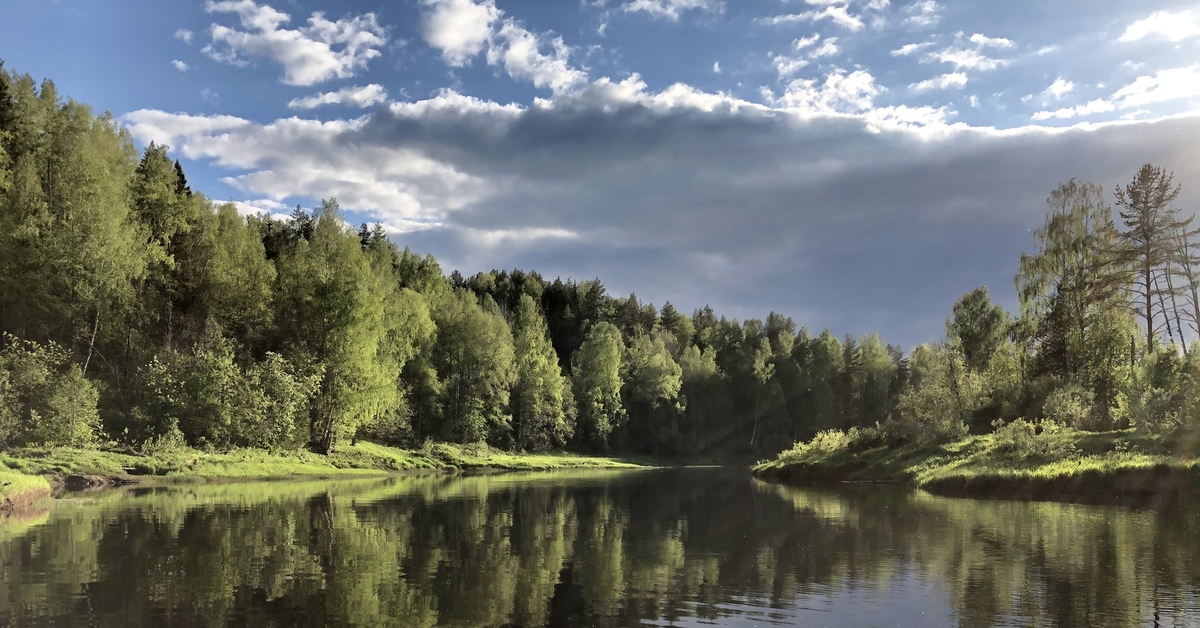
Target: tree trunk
(92, 344)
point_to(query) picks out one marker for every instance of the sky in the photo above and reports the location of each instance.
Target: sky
(854, 164)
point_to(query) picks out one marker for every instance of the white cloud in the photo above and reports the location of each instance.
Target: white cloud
(840, 93)
(838, 14)
(1165, 85)
(1171, 26)
(1045, 50)
(716, 67)
(955, 80)
(356, 96)
(185, 36)
(908, 49)
(828, 48)
(671, 9)
(262, 207)
(787, 18)
(210, 96)
(923, 13)
(787, 66)
(1059, 88)
(878, 5)
(310, 54)
(1099, 105)
(995, 42)
(805, 42)
(459, 28)
(519, 52)
(965, 59)
(1162, 86)
(974, 101)
(508, 44)
(179, 65)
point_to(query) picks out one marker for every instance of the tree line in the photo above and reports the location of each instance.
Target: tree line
(135, 311)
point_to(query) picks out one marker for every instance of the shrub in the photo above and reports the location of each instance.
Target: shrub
(1070, 405)
(44, 399)
(1024, 440)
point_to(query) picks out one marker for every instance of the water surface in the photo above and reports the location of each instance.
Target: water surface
(668, 548)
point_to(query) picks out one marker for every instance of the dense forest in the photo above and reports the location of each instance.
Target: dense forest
(138, 313)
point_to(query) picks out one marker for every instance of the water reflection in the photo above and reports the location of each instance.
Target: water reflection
(673, 547)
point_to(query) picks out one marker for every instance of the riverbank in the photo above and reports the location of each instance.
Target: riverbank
(31, 473)
(1118, 466)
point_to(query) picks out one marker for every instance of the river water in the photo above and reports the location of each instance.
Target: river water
(682, 547)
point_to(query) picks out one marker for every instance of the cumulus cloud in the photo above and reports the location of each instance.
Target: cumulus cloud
(836, 11)
(1168, 25)
(459, 28)
(671, 9)
(995, 42)
(179, 65)
(524, 55)
(1059, 88)
(320, 51)
(923, 13)
(185, 36)
(909, 49)
(954, 80)
(355, 96)
(1160, 87)
(964, 59)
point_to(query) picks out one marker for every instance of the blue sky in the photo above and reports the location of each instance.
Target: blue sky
(855, 164)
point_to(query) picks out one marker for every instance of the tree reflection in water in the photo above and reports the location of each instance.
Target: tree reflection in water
(670, 547)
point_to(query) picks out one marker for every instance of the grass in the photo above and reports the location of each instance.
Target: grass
(1086, 467)
(18, 489)
(37, 469)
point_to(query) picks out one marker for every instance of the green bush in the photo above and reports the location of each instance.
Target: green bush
(1023, 440)
(44, 399)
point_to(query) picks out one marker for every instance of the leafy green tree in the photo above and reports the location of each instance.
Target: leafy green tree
(979, 326)
(331, 312)
(1070, 290)
(44, 399)
(474, 358)
(597, 369)
(651, 381)
(541, 416)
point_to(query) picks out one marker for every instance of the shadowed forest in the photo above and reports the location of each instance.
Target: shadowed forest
(138, 313)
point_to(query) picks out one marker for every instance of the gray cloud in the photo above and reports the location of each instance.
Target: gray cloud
(833, 219)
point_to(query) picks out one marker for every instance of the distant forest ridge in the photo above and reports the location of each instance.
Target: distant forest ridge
(136, 312)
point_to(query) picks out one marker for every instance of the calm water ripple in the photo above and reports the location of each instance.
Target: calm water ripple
(690, 547)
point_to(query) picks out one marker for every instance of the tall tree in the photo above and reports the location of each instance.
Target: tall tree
(596, 370)
(473, 355)
(1151, 227)
(979, 326)
(332, 313)
(541, 416)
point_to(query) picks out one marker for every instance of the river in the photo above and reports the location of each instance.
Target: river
(675, 547)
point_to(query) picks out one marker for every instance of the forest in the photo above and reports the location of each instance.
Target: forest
(138, 313)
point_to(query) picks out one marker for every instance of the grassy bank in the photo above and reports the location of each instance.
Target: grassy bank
(1066, 466)
(18, 489)
(25, 470)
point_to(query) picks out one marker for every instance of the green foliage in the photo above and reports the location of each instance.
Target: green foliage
(474, 359)
(1070, 405)
(597, 368)
(935, 409)
(543, 416)
(44, 399)
(1045, 440)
